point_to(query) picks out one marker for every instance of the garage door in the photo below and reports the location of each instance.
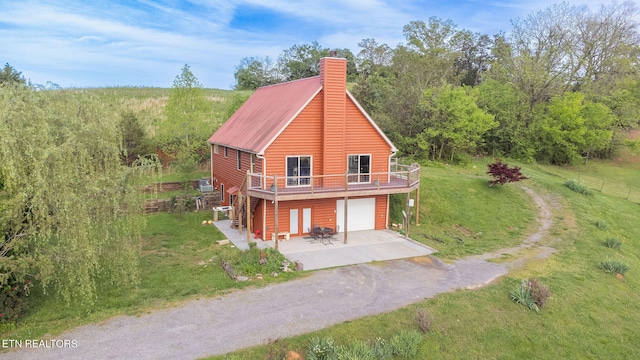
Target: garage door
(361, 214)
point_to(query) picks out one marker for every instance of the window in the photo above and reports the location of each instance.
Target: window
(239, 160)
(225, 149)
(215, 148)
(221, 192)
(359, 168)
(298, 170)
(253, 162)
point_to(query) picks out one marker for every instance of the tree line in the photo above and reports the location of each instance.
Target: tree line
(560, 87)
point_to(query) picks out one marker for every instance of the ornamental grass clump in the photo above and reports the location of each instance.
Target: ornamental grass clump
(613, 267)
(358, 350)
(612, 243)
(531, 293)
(381, 349)
(406, 343)
(578, 187)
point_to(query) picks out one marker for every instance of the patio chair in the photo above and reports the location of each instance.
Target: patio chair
(314, 235)
(331, 232)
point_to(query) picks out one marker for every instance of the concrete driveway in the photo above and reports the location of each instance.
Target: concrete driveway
(362, 247)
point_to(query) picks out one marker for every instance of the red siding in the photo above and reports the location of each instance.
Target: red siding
(303, 136)
(225, 169)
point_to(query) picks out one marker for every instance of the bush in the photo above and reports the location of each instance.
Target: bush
(357, 350)
(613, 243)
(321, 349)
(503, 174)
(424, 319)
(14, 300)
(540, 292)
(613, 266)
(522, 295)
(531, 293)
(578, 187)
(406, 343)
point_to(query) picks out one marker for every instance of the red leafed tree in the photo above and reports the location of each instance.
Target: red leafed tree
(503, 174)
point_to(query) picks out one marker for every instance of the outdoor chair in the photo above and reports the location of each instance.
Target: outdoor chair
(314, 235)
(331, 233)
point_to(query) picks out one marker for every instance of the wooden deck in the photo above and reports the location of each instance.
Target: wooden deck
(329, 186)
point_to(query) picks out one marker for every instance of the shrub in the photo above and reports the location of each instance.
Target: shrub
(357, 350)
(613, 243)
(522, 295)
(406, 343)
(14, 300)
(578, 187)
(424, 319)
(613, 266)
(321, 349)
(540, 292)
(503, 174)
(531, 293)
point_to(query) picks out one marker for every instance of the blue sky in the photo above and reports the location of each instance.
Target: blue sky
(97, 43)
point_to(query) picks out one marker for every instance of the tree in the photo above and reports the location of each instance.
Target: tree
(570, 127)
(10, 75)
(502, 173)
(70, 214)
(301, 61)
(188, 113)
(373, 56)
(254, 72)
(455, 122)
(135, 142)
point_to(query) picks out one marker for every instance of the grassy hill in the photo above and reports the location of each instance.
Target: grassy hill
(148, 103)
(591, 313)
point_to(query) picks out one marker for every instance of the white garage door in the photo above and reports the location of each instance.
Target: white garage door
(361, 214)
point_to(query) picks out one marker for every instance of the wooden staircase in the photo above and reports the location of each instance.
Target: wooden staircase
(239, 207)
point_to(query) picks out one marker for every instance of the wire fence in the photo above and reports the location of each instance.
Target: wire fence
(600, 184)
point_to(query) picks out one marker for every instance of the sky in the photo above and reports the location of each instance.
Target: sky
(97, 43)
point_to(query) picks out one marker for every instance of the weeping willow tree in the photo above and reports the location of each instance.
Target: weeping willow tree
(69, 213)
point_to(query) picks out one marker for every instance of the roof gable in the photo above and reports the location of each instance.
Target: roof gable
(266, 114)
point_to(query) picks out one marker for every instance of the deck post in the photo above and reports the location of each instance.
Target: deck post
(346, 202)
(417, 205)
(239, 212)
(275, 211)
(406, 230)
(248, 207)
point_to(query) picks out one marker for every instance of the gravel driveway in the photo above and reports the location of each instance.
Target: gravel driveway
(250, 317)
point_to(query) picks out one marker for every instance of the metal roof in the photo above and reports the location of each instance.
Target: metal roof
(266, 114)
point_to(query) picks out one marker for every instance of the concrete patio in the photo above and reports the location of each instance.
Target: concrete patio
(362, 247)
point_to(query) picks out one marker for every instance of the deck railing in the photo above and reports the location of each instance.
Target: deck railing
(400, 176)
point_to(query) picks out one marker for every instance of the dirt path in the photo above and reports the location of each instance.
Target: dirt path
(254, 316)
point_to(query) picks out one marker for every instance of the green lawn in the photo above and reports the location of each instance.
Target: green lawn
(591, 314)
(180, 260)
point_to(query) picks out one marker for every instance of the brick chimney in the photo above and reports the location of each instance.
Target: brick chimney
(333, 74)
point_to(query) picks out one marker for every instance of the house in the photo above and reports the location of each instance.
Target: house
(305, 153)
